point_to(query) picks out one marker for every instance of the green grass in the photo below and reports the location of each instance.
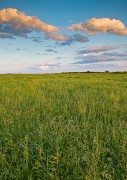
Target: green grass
(63, 126)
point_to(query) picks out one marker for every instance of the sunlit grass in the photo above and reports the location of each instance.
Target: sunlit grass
(64, 126)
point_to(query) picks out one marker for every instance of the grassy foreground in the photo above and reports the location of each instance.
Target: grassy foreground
(63, 126)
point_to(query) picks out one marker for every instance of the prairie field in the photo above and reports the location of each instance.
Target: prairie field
(70, 126)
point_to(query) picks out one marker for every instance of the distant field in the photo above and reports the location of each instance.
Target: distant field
(63, 126)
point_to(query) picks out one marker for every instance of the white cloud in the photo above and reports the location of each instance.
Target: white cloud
(45, 66)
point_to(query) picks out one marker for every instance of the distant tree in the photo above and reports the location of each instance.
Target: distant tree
(106, 71)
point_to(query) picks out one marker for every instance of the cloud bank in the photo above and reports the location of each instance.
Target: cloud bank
(96, 49)
(74, 38)
(100, 54)
(14, 23)
(9, 31)
(21, 20)
(102, 25)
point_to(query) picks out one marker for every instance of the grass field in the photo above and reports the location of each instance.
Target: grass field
(63, 126)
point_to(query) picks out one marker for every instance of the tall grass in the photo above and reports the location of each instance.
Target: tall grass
(63, 126)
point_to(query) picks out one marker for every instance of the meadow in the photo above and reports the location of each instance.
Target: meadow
(70, 126)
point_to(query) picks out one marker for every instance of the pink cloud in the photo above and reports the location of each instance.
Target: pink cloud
(102, 25)
(58, 37)
(19, 19)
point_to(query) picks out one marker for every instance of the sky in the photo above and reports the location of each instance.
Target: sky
(52, 36)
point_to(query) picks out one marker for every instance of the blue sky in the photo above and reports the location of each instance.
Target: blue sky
(85, 35)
